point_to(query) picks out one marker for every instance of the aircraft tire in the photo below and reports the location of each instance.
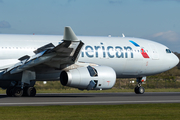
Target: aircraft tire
(9, 91)
(136, 90)
(25, 91)
(31, 91)
(17, 92)
(141, 90)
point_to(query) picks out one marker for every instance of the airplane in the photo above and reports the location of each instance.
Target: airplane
(83, 62)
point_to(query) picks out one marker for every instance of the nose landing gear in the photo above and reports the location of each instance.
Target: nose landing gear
(139, 89)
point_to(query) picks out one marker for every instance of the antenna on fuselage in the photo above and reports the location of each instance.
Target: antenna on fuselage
(123, 35)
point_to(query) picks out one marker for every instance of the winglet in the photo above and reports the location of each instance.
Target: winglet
(69, 34)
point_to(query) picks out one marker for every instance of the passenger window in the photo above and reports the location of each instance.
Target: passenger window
(168, 51)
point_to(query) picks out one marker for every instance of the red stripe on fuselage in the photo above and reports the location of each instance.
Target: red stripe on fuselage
(144, 54)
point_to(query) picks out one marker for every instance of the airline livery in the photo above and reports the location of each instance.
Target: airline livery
(83, 62)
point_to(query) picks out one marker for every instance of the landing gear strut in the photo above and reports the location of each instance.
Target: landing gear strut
(139, 89)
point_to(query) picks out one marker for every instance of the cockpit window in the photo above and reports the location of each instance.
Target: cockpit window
(168, 51)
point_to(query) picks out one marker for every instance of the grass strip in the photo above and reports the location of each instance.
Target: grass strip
(93, 112)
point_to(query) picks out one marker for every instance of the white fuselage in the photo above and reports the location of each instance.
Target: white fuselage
(118, 53)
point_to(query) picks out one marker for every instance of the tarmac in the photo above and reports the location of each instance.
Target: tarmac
(90, 99)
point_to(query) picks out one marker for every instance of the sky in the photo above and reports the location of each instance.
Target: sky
(157, 20)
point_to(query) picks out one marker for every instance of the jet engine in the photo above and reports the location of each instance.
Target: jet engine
(90, 78)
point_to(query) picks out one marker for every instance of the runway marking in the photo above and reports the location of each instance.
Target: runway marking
(90, 102)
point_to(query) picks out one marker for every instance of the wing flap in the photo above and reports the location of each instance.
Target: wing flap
(32, 63)
(43, 48)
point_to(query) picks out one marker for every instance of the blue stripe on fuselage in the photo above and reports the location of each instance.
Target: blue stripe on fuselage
(134, 43)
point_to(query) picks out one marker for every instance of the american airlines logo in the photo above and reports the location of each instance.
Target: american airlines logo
(108, 51)
(143, 52)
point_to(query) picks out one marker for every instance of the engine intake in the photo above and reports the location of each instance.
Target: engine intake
(90, 78)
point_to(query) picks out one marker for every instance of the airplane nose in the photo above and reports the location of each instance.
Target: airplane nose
(169, 62)
(175, 60)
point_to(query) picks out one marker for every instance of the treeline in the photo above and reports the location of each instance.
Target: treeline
(174, 73)
(178, 55)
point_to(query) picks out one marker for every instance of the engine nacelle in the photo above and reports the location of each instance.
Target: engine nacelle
(90, 78)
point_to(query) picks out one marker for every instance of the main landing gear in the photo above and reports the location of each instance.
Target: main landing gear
(139, 89)
(23, 87)
(18, 91)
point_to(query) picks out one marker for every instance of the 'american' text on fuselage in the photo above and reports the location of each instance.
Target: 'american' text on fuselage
(107, 51)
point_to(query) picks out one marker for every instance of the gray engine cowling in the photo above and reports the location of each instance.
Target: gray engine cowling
(90, 78)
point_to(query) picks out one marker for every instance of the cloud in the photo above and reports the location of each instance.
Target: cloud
(167, 36)
(115, 1)
(4, 24)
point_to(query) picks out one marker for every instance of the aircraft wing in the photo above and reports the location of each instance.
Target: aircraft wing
(65, 53)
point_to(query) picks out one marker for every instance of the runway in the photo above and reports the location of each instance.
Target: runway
(91, 99)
